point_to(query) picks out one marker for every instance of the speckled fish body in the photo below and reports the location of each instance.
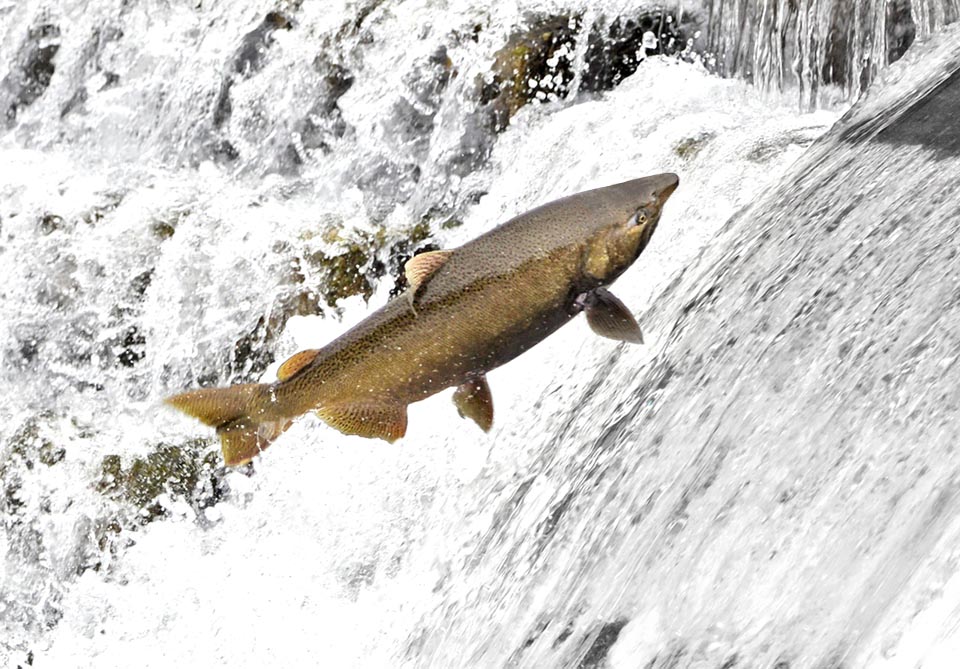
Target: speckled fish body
(479, 306)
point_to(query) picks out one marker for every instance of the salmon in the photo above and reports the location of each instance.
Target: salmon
(467, 310)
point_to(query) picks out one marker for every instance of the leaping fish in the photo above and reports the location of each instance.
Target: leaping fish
(467, 310)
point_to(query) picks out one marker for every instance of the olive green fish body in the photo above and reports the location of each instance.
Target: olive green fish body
(475, 308)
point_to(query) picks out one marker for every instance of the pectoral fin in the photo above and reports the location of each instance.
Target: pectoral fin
(473, 401)
(420, 268)
(610, 318)
(367, 419)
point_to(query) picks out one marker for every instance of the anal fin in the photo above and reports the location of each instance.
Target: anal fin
(474, 401)
(367, 419)
(610, 318)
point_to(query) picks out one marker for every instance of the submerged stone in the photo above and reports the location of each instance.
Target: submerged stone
(605, 638)
(31, 71)
(247, 61)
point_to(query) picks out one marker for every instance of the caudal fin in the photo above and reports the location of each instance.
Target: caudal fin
(228, 409)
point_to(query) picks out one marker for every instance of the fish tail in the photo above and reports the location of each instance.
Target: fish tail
(230, 410)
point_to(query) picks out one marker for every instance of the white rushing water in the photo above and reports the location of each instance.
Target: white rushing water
(137, 250)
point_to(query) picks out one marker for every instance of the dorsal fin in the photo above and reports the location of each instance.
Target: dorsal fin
(295, 363)
(420, 268)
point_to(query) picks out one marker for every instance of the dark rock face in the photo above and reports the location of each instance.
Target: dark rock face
(602, 642)
(192, 471)
(538, 61)
(325, 120)
(616, 48)
(901, 30)
(930, 121)
(31, 71)
(247, 61)
(537, 65)
(534, 64)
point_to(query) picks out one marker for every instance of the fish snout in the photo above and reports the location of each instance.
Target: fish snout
(663, 186)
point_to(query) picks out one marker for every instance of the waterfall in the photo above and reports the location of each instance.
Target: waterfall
(826, 49)
(192, 192)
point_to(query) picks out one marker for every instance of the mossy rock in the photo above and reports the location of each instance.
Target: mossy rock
(192, 471)
(359, 260)
(689, 147)
(164, 228)
(28, 446)
(536, 63)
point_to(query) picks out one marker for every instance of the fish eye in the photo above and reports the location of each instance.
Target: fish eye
(639, 218)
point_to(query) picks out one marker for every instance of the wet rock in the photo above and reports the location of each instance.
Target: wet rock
(385, 184)
(534, 64)
(31, 71)
(254, 352)
(606, 637)
(344, 274)
(192, 472)
(163, 230)
(28, 447)
(75, 101)
(127, 346)
(616, 48)
(60, 288)
(689, 147)
(26, 443)
(99, 211)
(364, 10)
(97, 76)
(50, 223)
(364, 261)
(28, 338)
(324, 123)
(247, 61)
(413, 115)
(356, 576)
(49, 454)
(222, 151)
(537, 64)
(901, 29)
(351, 264)
(132, 347)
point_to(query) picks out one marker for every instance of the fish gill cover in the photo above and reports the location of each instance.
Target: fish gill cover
(190, 192)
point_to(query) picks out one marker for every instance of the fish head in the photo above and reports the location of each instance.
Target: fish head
(635, 209)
